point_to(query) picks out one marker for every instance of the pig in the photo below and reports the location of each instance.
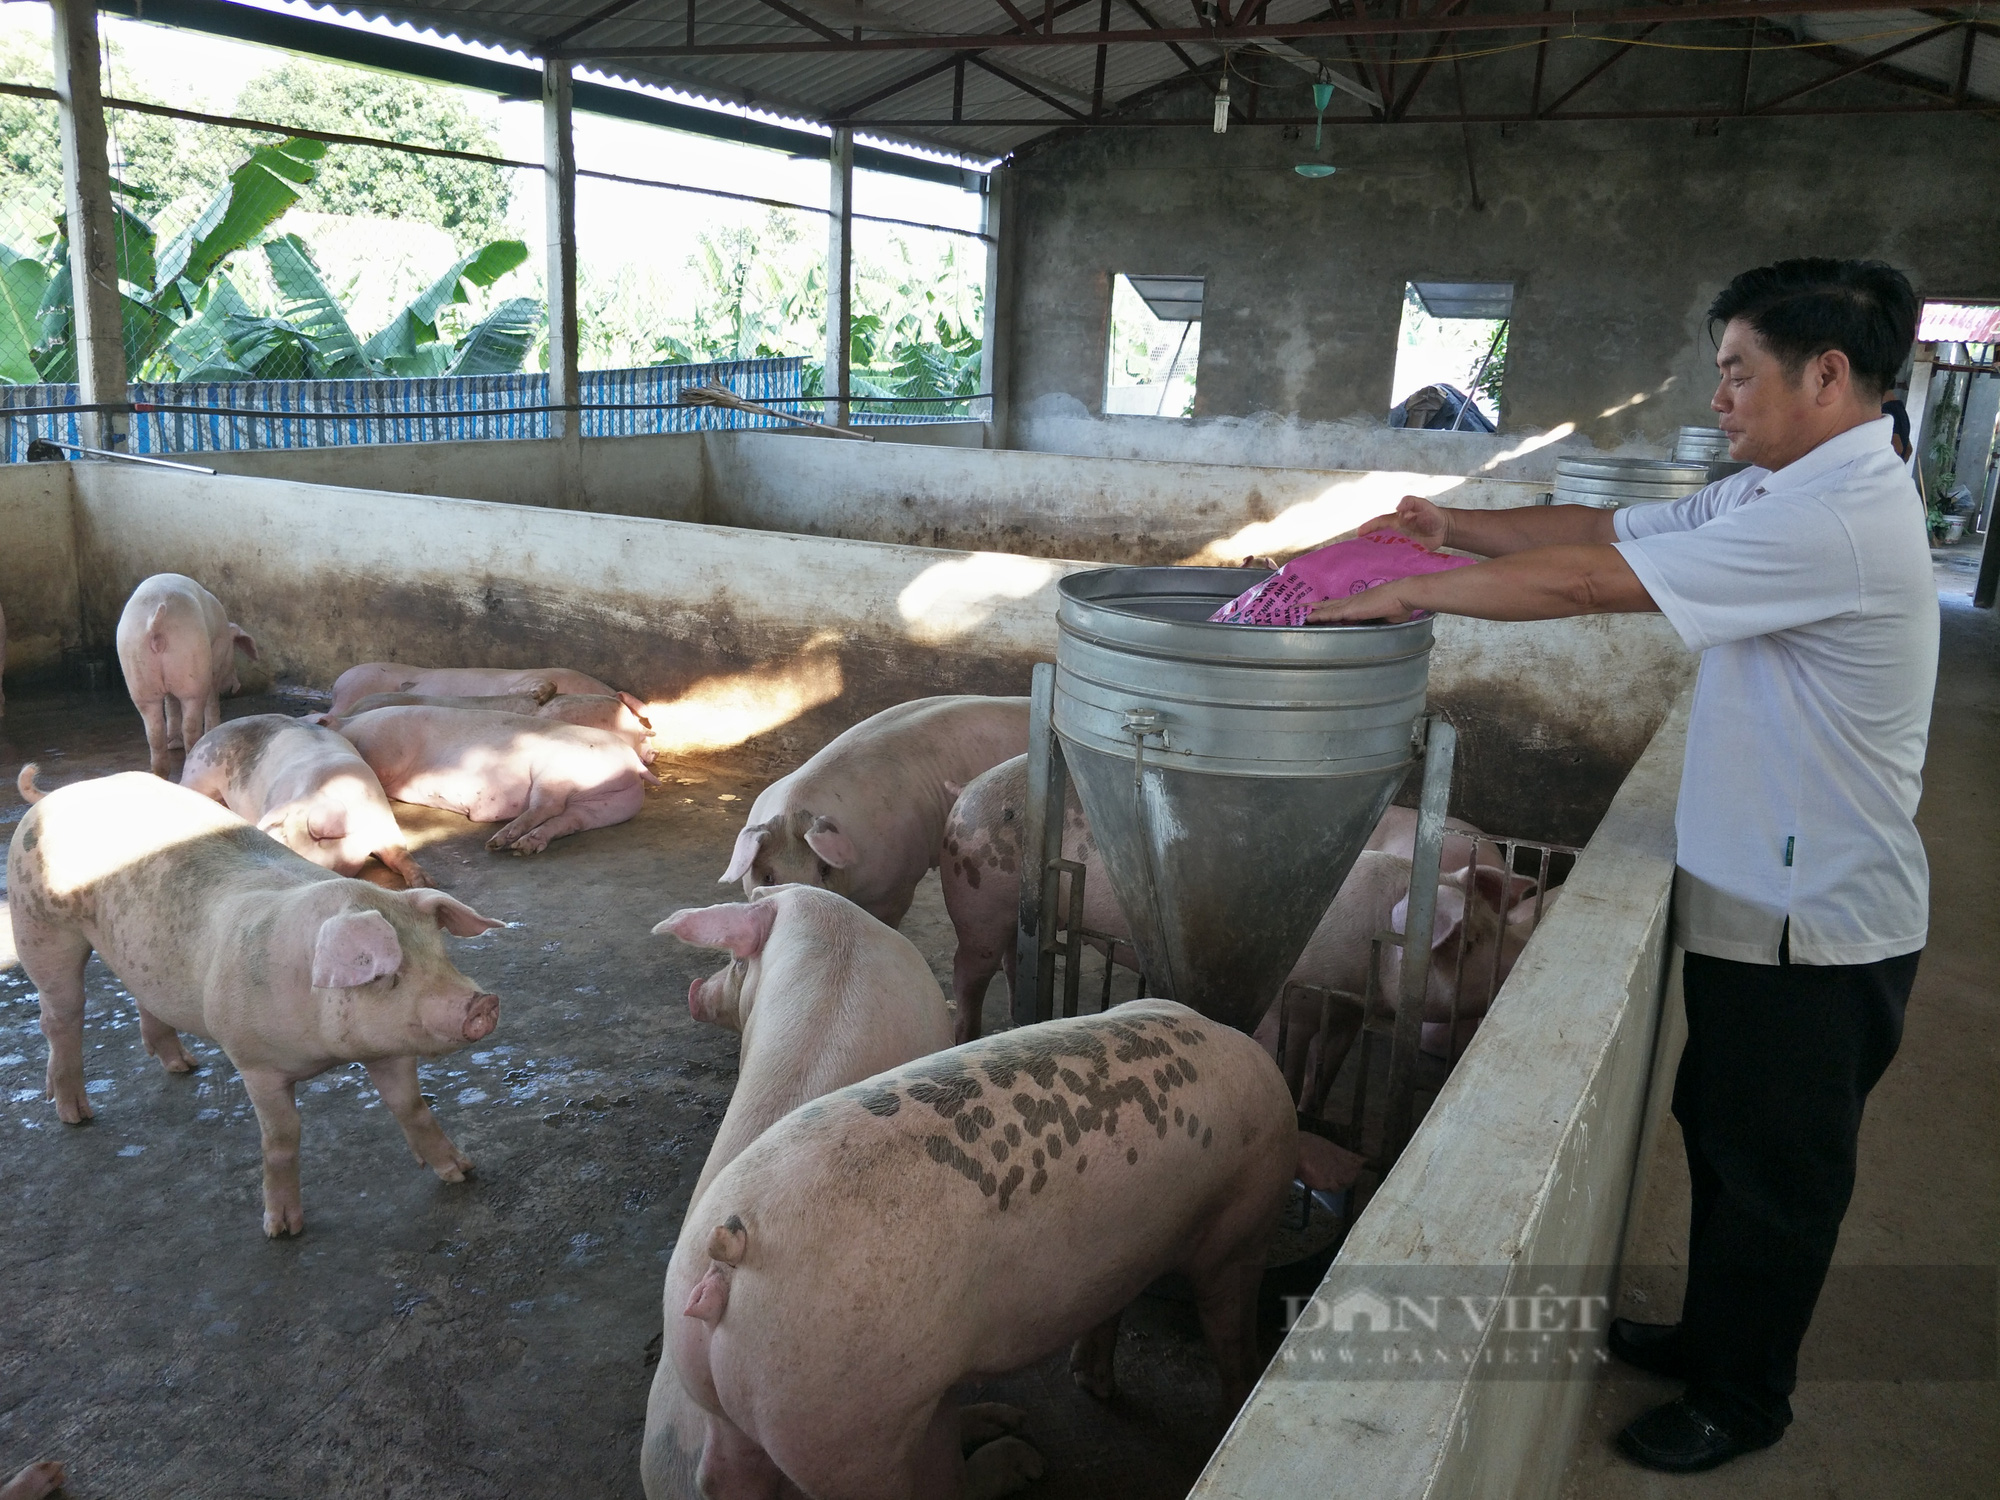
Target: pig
(823, 995)
(541, 683)
(178, 647)
(621, 714)
(964, 1215)
(307, 788)
(550, 779)
(866, 815)
(43, 1477)
(219, 930)
(981, 879)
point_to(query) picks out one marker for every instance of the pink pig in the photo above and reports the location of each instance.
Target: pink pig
(306, 787)
(550, 779)
(823, 995)
(393, 677)
(218, 930)
(620, 714)
(178, 651)
(866, 815)
(964, 1215)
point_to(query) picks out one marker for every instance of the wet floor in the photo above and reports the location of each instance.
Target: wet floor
(482, 1339)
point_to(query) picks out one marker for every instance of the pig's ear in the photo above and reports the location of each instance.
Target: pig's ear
(954, 790)
(1445, 921)
(748, 842)
(638, 708)
(454, 916)
(830, 844)
(243, 642)
(1498, 889)
(324, 720)
(740, 927)
(353, 948)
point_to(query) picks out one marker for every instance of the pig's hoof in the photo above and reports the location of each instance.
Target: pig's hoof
(43, 1477)
(177, 1059)
(984, 1421)
(283, 1219)
(71, 1102)
(1000, 1468)
(454, 1168)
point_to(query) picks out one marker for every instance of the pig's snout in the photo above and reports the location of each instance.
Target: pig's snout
(482, 1014)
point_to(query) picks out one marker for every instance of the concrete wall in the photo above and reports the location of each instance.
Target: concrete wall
(1615, 235)
(1048, 504)
(38, 572)
(772, 633)
(1519, 1179)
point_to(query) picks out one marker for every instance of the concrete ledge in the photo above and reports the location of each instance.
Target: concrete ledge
(1522, 1171)
(38, 574)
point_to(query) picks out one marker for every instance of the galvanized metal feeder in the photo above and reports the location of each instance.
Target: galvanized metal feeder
(1231, 775)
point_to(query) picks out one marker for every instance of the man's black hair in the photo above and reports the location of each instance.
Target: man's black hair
(1800, 309)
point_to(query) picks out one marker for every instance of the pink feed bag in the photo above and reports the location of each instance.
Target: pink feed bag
(1335, 572)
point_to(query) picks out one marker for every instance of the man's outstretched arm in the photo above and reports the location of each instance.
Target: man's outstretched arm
(1496, 533)
(1544, 583)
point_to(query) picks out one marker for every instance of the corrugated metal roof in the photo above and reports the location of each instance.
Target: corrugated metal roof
(919, 97)
(822, 86)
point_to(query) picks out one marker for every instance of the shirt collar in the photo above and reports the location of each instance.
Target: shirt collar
(1842, 448)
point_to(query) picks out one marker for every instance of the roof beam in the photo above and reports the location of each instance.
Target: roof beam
(1862, 66)
(793, 13)
(1576, 18)
(1450, 8)
(1599, 71)
(890, 90)
(1025, 87)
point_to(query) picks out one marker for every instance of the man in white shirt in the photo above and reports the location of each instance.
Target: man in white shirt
(1801, 896)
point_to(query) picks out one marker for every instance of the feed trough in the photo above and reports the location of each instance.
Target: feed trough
(1231, 774)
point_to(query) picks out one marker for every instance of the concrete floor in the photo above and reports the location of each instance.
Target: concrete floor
(1927, 1195)
(485, 1339)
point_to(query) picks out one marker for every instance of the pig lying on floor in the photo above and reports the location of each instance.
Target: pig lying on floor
(823, 996)
(219, 930)
(306, 787)
(540, 683)
(550, 779)
(177, 648)
(865, 816)
(622, 714)
(994, 1203)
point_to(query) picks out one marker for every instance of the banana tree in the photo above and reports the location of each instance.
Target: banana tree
(185, 319)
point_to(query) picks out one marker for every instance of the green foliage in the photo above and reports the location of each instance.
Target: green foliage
(467, 199)
(185, 318)
(915, 332)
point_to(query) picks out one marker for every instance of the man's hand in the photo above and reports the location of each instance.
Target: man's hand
(1382, 602)
(1416, 518)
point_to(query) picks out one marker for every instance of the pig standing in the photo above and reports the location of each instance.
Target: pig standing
(178, 647)
(550, 779)
(622, 714)
(541, 683)
(866, 815)
(993, 1204)
(823, 996)
(306, 787)
(219, 930)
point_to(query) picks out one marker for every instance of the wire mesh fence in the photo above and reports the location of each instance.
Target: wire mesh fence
(348, 257)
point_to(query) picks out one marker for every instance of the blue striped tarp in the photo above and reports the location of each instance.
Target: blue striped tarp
(335, 413)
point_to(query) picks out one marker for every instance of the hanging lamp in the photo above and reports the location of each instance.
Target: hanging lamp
(1322, 96)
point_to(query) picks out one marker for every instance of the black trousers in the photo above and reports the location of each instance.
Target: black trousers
(1779, 1061)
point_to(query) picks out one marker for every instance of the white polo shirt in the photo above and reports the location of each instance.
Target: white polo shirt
(1809, 595)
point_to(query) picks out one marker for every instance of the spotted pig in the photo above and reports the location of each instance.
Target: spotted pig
(994, 1203)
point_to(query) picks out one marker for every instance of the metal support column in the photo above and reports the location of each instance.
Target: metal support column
(839, 379)
(1441, 744)
(996, 335)
(93, 224)
(1041, 848)
(559, 218)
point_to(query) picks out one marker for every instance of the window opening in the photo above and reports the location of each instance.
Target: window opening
(1451, 355)
(1155, 345)
(1959, 449)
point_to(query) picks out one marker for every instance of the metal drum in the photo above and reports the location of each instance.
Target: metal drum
(1612, 482)
(1231, 773)
(1710, 446)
